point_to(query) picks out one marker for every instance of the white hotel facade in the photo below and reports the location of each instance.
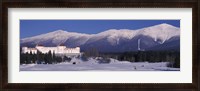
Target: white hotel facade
(58, 50)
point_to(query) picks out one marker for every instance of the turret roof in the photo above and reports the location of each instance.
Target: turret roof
(62, 44)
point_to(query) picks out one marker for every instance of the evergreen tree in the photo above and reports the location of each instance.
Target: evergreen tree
(22, 58)
(177, 62)
(27, 58)
(40, 57)
(49, 57)
(92, 52)
(46, 58)
(58, 59)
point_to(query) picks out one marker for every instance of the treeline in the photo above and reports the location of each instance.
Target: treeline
(173, 57)
(40, 58)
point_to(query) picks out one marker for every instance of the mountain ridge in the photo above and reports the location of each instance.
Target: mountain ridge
(110, 40)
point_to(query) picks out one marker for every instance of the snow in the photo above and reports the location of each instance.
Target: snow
(93, 65)
(162, 32)
(57, 37)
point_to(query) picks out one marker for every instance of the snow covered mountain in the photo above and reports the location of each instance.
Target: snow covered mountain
(158, 37)
(55, 38)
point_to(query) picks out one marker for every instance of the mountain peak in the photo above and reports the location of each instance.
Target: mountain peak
(111, 31)
(112, 40)
(165, 25)
(59, 31)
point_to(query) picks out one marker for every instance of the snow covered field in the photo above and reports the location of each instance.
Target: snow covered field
(92, 65)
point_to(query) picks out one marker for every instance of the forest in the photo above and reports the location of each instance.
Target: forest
(173, 57)
(40, 58)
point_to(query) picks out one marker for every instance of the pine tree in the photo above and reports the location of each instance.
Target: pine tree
(50, 57)
(53, 57)
(27, 58)
(22, 58)
(177, 62)
(40, 57)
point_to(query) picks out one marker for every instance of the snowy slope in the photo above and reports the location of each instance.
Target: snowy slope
(91, 65)
(161, 32)
(56, 38)
(110, 40)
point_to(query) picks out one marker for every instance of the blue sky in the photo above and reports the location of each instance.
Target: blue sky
(30, 28)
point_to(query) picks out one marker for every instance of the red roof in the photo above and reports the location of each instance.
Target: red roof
(62, 44)
(39, 45)
(32, 48)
